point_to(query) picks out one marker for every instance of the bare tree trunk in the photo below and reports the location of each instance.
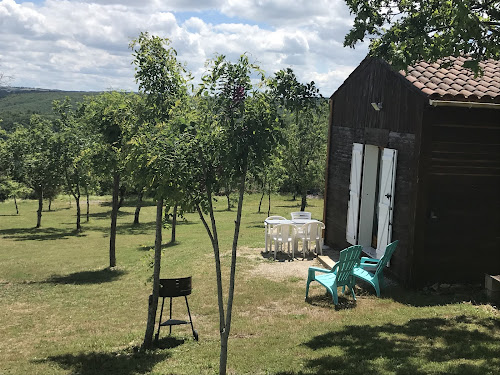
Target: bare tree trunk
(269, 200)
(50, 203)
(263, 187)
(138, 208)
(174, 223)
(227, 327)
(153, 298)
(114, 216)
(78, 213)
(304, 200)
(261, 198)
(228, 200)
(39, 211)
(15, 202)
(88, 207)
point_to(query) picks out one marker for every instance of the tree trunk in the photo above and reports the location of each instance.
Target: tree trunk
(114, 216)
(78, 213)
(261, 198)
(138, 208)
(174, 223)
(269, 200)
(88, 207)
(15, 202)
(304, 200)
(153, 298)
(50, 204)
(39, 211)
(228, 201)
(227, 326)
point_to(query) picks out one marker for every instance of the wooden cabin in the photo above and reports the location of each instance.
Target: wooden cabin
(416, 157)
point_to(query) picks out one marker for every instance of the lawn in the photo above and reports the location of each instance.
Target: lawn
(63, 312)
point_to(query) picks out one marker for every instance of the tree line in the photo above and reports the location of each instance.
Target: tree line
(181, 144)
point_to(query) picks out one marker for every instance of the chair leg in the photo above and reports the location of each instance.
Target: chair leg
(307, 287)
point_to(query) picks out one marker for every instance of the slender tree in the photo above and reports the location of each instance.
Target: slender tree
(237, 129)
(156, 158)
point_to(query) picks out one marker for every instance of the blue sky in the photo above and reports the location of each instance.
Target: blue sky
(83, 44)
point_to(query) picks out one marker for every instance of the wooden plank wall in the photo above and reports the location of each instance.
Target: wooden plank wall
(355, 120)
(462, 218)
(339, 168)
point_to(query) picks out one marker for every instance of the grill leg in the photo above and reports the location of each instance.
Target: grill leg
(195, 334)
(170, 327)
(159, 323)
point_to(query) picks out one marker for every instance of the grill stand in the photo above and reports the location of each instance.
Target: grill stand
(175, 288)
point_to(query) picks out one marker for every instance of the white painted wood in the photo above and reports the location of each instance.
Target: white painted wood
(368, 190)
(354, 193)
(386, 199)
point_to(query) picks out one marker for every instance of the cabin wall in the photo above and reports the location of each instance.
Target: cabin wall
(457, 235)
(353, 120)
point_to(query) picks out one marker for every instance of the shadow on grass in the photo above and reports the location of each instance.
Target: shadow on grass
(325, 301)
(107, 214)
(39, 234)
(105, 275)
(459, 345)
(163, 246)
(130, 203)
(169, 342)
(474, 294)
(125, 362)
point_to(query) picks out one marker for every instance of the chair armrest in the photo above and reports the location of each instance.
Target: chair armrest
(366, 259)
(317, 269)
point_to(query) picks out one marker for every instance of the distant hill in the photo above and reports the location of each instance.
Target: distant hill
(18, 104)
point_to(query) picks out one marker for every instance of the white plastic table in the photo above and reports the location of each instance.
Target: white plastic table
(273, 222)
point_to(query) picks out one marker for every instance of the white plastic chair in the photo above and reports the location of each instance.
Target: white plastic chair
(301, 215)
(269, 229)
(311, 232)
(284, 233)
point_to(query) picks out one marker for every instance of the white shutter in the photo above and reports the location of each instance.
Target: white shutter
(354, 194)
(386, 199)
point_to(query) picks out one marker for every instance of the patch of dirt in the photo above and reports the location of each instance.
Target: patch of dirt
(283, 267)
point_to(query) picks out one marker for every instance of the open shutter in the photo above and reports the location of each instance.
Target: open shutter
(354, 193)
(386, 199)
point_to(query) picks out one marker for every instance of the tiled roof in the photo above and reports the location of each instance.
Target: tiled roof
(456, 82)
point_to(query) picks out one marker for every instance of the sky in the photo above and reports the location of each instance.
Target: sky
(83, 45)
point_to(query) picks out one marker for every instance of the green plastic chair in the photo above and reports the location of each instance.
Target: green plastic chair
(340, 274)
(362, 271)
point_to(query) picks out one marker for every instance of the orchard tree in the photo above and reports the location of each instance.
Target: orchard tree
(34, 157)
(110, 118)
(237, 129)
(305, 134)
(157, 157)
(75, 160)
(404, 32)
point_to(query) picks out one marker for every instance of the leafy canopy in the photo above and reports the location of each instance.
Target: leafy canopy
(403, 32)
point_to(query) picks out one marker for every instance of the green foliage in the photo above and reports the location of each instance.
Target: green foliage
(306, 117)
(403, 32)
(34, 156)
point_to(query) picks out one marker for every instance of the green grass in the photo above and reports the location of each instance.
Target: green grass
(63, 312)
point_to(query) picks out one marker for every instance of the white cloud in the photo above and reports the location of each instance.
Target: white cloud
(83, 45)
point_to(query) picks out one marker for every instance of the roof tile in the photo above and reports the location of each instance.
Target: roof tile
(456, 82)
